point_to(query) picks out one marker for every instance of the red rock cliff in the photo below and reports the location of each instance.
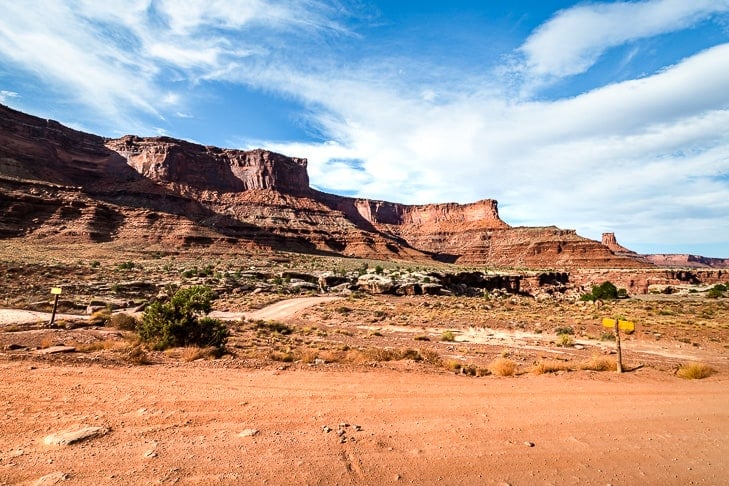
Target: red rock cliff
(196, 167)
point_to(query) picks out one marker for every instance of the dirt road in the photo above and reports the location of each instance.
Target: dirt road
(279, 310)
(196, 423)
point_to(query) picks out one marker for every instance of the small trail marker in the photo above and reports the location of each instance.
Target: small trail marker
(618, 324)
(57, 292)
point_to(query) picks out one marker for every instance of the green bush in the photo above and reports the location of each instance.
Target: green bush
(180, 321)
(716, 291)
(604, 291)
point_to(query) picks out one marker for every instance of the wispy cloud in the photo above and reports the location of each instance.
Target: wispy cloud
(6, 95)
(573, 40)
(626, 157)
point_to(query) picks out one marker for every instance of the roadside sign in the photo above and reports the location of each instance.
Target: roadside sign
(617, 325)
(626, 325)
(56, 290)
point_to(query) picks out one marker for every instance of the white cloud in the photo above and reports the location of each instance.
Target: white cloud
(6, 95)
(619, 158)
(573, 40)
(627, 157)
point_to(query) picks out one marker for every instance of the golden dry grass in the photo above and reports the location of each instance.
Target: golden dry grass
(193, 353)
(503, 367)
(695, 371)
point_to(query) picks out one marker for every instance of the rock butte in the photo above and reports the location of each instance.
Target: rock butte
(60, 185)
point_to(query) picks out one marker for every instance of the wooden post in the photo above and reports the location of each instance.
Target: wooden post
(617, 343)
(57, 292)
(53, 314)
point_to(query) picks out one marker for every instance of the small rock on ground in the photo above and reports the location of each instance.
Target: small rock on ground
(72, 436)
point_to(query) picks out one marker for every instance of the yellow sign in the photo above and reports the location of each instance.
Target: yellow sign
(624, 325)
(56, 290)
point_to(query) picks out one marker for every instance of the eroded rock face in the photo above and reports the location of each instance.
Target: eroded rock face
(198, 168)
(59, 184)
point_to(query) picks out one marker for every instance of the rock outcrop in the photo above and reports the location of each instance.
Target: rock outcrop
(59, 184)
(687, 261)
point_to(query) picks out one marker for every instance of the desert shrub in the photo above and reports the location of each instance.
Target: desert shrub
(716, 291)
(179, 321)
(565, 340)
(448, 336)
(123, 321)
(379, 270)
(605, 291)
(273, 327)
(502, 367)
(421, 337)
(607, 336)
(695, 371)
(564, 330)
(126, 266)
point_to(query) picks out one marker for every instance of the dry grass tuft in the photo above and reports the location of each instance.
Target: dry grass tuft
(695, 371)
(137, 355)
(105, 345)
(502, 367)
(600, 363)
(550, 366)
(431, 357)
(192, 353)
(453, 365)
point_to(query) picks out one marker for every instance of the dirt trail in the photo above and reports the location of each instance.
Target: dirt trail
(199, 424)
(279, 310)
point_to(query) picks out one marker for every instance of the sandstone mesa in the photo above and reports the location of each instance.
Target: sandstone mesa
(59, 185)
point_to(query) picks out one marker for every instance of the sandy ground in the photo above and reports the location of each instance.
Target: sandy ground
(215, 422)
(182, 424)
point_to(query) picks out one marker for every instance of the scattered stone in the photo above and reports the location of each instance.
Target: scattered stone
(529, 444)
(53, 478)
(341, 432)
(72, 436)
(326, 429)
(56, 350)
(13, 347)
(248, 433)
(343, 425)
(150, 454)
(358, 428)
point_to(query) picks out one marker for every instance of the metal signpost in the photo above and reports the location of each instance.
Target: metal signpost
(618, 324)
(57, 292)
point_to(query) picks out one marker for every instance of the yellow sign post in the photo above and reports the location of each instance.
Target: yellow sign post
(54, 291)
(618, 324)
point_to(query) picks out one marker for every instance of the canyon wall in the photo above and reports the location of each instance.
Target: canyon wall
(57, 183)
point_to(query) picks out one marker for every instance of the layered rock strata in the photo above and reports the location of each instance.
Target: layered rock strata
(61, 184)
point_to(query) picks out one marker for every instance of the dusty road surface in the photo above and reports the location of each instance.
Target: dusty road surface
(279, 310)
(200, 423)
(22, 316)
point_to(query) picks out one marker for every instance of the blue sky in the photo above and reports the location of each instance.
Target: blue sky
(594, 116)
